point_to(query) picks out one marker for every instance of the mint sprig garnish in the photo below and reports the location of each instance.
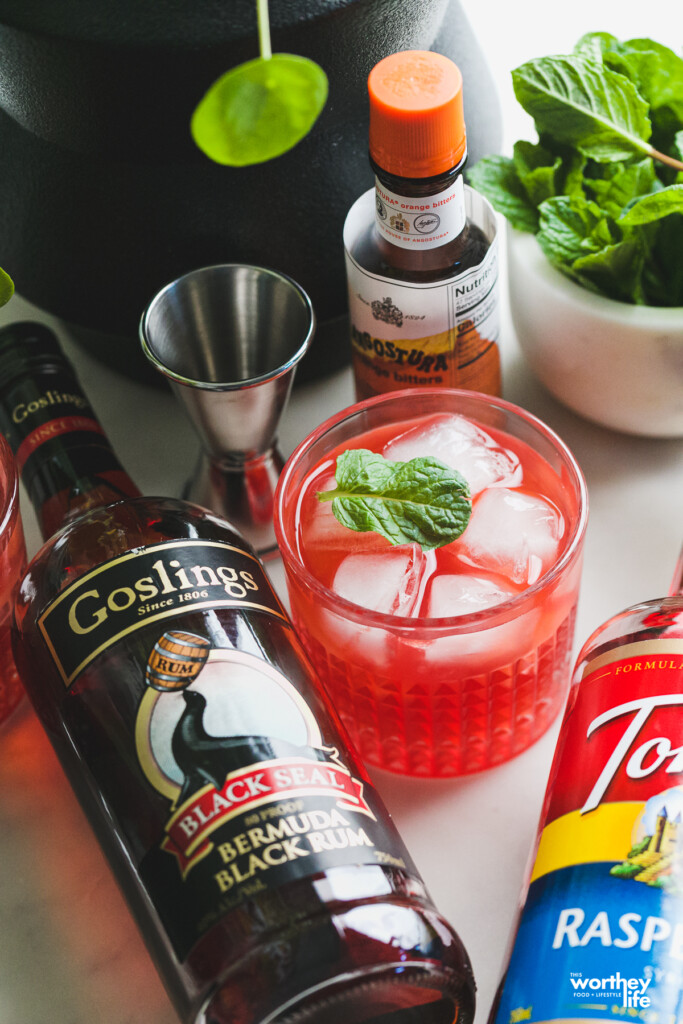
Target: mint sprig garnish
(422, 501)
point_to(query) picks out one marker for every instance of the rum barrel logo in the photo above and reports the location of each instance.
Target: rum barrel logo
(176, 660)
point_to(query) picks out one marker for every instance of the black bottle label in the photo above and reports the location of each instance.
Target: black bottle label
(49, 409)
(184, 686)
(154, 583)
(257, 796)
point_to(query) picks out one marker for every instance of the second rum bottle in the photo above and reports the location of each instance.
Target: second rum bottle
(265, 875)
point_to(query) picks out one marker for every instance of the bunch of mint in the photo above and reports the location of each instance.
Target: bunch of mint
(602, 189)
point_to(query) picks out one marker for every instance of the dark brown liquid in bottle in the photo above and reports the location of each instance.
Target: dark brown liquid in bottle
(379, 256)
(459, 352)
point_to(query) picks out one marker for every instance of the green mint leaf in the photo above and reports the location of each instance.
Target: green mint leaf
(616, 270)
(497, 179)
(537, 170)
(653, 207)
(581, 103)
(260, 109)
(6, 287)
(571, 178)
(678, 145)
(594, 45)
(663, 276)
(422, 501)
(656, 71)
(568, 225)
(625, 183)
(589, 247)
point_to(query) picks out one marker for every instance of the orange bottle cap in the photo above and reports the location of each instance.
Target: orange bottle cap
(417, 126)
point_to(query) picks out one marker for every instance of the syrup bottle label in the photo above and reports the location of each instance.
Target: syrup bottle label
(601, 934)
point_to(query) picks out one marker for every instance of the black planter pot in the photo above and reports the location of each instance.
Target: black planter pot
(105, 198)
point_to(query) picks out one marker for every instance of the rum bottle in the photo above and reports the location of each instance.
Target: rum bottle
(266, 877)
(421, 248)
(600, 935)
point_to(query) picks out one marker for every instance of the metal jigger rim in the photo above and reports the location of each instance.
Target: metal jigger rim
(249, 382)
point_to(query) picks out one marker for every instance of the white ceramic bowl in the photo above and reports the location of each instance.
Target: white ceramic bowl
(614, 363)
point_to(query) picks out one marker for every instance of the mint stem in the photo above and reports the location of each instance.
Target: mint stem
(665, 159)
(327, 495)
(263, 29)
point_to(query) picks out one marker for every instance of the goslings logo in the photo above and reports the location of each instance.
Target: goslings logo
(628, 992)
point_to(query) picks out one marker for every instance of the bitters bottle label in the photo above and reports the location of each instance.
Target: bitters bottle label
(601, 934)
(423, 223)
(437, 334)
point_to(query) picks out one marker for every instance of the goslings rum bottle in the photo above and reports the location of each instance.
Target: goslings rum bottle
(600, 936)
(421, 248)
(262, 869)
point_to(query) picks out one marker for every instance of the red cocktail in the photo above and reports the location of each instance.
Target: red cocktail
(447, 661)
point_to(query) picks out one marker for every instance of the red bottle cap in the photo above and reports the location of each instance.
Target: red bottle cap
(417, 126)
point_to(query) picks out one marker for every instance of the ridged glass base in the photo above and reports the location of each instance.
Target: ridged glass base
(440, 725)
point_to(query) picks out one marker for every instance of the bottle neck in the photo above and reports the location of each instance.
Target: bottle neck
(65, 461)
(420, 213)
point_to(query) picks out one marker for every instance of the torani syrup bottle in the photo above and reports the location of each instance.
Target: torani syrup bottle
(263, 871)
(600, 936)
(421, 248)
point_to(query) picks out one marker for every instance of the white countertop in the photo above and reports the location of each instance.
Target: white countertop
(69, 953)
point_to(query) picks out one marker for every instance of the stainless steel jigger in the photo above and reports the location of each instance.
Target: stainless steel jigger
(228, 338)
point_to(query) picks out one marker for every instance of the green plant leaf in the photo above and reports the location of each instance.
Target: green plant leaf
(6, 287)
(663, 274)
(572, 174)
(537, 170)
(422, 501)
(678, 145)
(594, 45)
(655, 206)
(581, 103)
(615, 270)
(588, 246)
(260, 109)
(627, 181)
(568, 229)
(496, 178)
(656, 71)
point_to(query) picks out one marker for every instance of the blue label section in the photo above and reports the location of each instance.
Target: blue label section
(593, 946)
